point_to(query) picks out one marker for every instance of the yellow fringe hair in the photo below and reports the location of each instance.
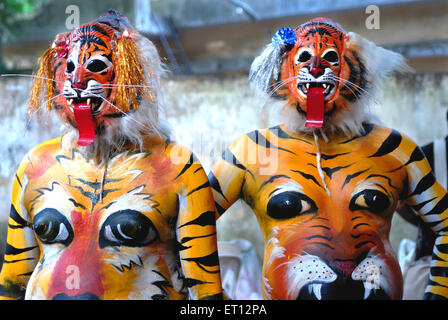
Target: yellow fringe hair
(130, 76)
(44, 79)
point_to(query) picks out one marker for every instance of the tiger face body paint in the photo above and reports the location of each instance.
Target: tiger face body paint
(324, 185)
(130, 215)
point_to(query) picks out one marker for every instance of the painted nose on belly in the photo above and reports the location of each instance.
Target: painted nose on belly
(82, 296)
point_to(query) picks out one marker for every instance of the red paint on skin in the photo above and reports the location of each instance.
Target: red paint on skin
(161, 169)
(83, 253)
(40, 165)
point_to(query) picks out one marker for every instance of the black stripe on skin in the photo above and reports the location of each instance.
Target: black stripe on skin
(389, 181)
(214, 183)
(328, 157)
(417, 207)
(318, 236)
(261, 140)
(229, 157)
(322, 244)
(202, 186)
(14, 251)
(440, 207)
(443, 248)
(14, 215)
(432, 225)
(389, 144)
(217, 296)
(18, 260)
(186, 239)
(361, 224)
(366, 129)
(351, 176)
(271, 179)
(359, 245)
(277, 130)
(307, 176)
(18, 180)
(207, 218)
(220, 209)
(320, 226)
(417, 155)
(187, 166)
(190, 282)
(329, 171)
(424, 184)
(210, 260)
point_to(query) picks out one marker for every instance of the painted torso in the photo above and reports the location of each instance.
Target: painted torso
(326, 221)
(142, 228)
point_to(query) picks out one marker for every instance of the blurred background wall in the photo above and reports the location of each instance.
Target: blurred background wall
(208, 46)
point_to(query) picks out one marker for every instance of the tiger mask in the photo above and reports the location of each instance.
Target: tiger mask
(103, 81)
(324, 75)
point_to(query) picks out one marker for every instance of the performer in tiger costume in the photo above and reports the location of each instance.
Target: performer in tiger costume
(113, 209)
(324, 184)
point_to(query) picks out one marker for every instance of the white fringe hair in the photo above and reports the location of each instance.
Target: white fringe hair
(135, 125)
(379, 62)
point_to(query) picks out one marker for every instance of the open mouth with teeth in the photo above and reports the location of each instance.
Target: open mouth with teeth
(84, 110)
(340, 289)
(94, 103)
(328, 88)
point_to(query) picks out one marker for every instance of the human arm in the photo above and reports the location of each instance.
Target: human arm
(22, 252)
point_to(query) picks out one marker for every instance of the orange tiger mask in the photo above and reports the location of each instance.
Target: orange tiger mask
(99, 77)
(324, 184)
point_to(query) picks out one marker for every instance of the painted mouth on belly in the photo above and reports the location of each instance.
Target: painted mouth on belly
(340, 289)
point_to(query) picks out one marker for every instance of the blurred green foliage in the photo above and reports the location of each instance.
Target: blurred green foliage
(11, 12)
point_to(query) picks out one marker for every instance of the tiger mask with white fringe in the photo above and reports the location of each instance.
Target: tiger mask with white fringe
(326, 76)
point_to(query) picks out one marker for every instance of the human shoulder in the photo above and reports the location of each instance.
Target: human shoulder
(43, 150)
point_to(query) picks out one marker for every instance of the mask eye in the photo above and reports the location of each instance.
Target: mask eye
(371, 200)
(127, 228)
(96, 65)
(70, 66)
(303, 56)
(331, 56)
(290, 204)
(52, 227)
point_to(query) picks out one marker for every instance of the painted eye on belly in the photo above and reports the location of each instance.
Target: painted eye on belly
(51, 226)
(290, 204)
(127, 228)
(371, 200)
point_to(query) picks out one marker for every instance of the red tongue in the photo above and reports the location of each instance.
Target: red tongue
(315, 101)
(84, 121)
